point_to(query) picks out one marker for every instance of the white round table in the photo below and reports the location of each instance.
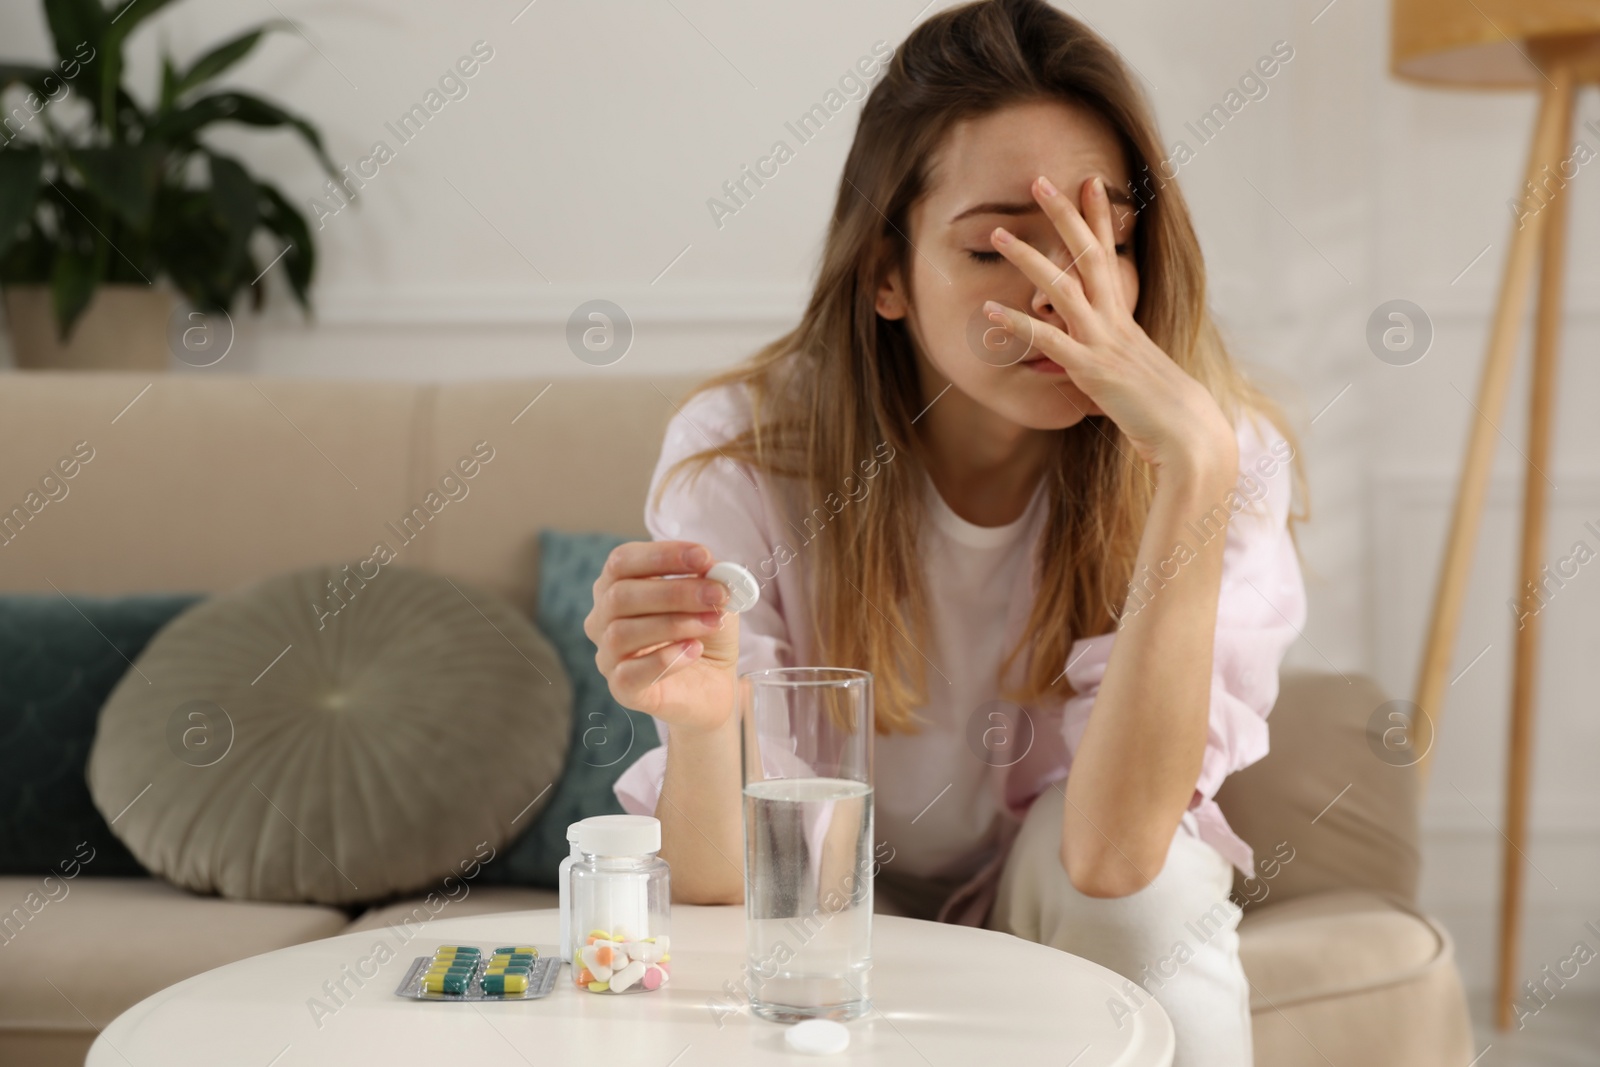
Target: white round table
(941, 994)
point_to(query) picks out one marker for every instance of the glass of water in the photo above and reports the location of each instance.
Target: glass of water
(806, 743)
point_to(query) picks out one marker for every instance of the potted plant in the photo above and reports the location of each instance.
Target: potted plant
(108, 206)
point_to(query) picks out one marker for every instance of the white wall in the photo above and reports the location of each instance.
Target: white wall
(580, 164)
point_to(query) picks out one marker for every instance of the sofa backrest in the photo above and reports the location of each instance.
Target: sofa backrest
(194, 483)
(1330, 795)
(190, 483)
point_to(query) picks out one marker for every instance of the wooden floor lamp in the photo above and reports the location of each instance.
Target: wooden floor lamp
(1552, 46)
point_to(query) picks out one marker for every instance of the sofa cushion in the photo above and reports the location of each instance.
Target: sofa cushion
(1322, 809)
(59, 659)
(606, 737)
(1285, 947)
(1353, 978)
(107, 943)
(335, 734)
(415, 913)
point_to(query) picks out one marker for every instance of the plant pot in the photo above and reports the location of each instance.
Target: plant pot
(123, 328)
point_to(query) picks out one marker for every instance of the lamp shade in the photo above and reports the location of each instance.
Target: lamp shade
(1482, 44)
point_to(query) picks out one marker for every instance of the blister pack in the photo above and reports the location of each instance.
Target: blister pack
(465, 973)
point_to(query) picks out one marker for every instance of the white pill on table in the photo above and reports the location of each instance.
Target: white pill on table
(743, 590)
(818, 1037)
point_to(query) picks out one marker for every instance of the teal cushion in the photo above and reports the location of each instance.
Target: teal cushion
(59, 661)
(606, 737)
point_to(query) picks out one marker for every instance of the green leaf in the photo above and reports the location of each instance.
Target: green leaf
(125, 16)
(124, 176)
(182, 124)
(19, 190)
(78, 29)
(169, 84)
(74, 23)
(279, 216)
(32, 77)
(233, 193)
(224, 56)
(72, 286)
(122, 22)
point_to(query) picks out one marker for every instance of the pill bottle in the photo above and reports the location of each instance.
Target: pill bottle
(564, 889)
(621, 906)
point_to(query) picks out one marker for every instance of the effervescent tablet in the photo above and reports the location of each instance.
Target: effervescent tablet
(818, 1037)
(743, 589)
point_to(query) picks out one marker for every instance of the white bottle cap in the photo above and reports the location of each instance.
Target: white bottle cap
(817, 1037)
(619, 835)
(744, 592)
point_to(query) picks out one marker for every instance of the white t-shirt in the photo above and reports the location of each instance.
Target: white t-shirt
(970, 573)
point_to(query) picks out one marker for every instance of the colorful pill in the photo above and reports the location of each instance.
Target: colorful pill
(506, 983)
(597, 987)
(591, 960)
(446, 983)
(529, 949)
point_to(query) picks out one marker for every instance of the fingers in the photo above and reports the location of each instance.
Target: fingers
(633, 676)
(1066, 292)
(623, 639)
(638, 604)
(656, 596)
(1093, 257)
(642, 559)
(1093, 254)
(1098, 213)
(1047, 337)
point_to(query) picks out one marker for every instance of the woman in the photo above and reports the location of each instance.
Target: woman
(1005, 463)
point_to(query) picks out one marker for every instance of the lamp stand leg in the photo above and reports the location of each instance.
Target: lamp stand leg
(1555, 110)
(1546, 347)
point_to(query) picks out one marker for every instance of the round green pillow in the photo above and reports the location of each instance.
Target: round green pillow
(333, 737)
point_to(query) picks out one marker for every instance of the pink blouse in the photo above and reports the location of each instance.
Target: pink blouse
(950, 798)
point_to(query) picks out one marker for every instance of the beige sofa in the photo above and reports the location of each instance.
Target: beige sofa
(201, 483)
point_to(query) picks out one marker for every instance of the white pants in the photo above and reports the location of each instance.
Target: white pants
(1176, 939)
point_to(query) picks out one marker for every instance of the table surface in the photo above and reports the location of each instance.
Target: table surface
(941, 994)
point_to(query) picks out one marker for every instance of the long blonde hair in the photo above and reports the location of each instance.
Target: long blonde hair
(827, 395)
